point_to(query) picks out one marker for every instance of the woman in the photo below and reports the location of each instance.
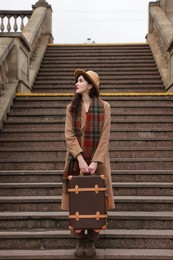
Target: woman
(92, 158)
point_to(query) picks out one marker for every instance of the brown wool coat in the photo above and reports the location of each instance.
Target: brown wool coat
(101, 154)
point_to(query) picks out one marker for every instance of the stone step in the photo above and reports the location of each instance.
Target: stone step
(60, 239)
(115, 87)
(31, 189)
(86, 64)
(34, 134)
(143, 67)
(59, 220)
(116, 75)
(58, 163)
(135, 47)
(116, 105)
(142, 163)
(97, 53)
(50, 129)
(135, 125)
(107, 83)
(102, 254)
(32, 152)
(142, 152)
(104, 75)
(143, 203)
(93, 54)
(143, 128)
(126, 117)
(115, 110)
(103, 57)
(30, 203)
(115, 84)
(52, 203)
(27, 176)
(121, 99)
(142, 189)
(106, 62)
(56, 133)
(46, 109)
(44, 76)
(35, 125)
(143, 142)
(139, 66)
(32, 142)
(112, 76)
(55, 188)
(107, 49)
(54, 124)
(142, 175)
(118, 89)
(101, 70)
(33, 118)
(31, 176)
(116, 127)
(53, 152)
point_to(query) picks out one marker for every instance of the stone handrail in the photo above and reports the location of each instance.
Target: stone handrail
(22, 50)
(160, 38)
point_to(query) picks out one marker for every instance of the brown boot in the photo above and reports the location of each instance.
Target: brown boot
(79, 250)
(90, 250)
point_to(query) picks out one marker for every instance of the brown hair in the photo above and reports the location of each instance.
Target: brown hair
(76, 101)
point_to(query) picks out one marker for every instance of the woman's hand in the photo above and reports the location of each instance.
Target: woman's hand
(82, 164)
(92, 167)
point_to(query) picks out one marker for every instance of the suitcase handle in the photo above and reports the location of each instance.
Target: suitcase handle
(101, 176)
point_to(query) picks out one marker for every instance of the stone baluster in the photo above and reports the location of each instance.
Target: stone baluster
(8, 24)
(2, 23)
(15, 27)
(22, 22)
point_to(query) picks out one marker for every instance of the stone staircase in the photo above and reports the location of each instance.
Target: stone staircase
(32, 152)
(123, 68)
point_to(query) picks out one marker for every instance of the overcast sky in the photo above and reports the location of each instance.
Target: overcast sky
(104, 21)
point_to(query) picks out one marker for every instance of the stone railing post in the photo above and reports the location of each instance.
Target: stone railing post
(160, 38)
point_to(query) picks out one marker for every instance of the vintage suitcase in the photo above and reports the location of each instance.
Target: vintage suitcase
(87, 203)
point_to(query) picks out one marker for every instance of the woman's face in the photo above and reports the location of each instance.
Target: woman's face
(82, 86)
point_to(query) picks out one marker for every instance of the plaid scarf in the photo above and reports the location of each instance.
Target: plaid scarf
(92, 133)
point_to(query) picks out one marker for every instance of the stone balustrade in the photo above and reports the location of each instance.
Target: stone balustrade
(14, 21)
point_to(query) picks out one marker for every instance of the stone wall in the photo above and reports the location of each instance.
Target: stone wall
(21, 51)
